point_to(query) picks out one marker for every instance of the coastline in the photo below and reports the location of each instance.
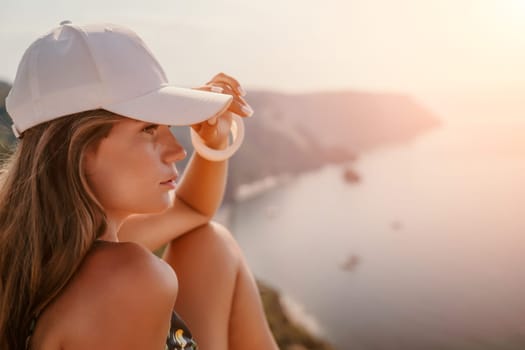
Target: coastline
(225, 214)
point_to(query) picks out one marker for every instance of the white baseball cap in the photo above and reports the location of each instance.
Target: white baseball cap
(76, 68)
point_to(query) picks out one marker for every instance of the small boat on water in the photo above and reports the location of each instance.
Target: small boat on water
(396, 225)
(350, 263)
(351, 176)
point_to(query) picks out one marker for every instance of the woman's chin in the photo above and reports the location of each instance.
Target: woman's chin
(150, 205)
(164, 204)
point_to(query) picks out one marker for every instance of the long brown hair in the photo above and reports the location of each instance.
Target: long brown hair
(49, 218)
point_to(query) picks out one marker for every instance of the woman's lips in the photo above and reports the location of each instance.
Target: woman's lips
(171, 182)
(172, 177)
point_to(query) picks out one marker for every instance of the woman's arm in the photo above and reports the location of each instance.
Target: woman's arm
(155, 230)
(203, 183)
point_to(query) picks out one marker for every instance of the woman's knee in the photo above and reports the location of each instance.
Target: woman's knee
(206, 260)
(212, 242)
(218, 235)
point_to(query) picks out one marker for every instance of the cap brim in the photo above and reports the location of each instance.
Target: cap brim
(171, 105)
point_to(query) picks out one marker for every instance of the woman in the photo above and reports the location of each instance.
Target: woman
(87, 190)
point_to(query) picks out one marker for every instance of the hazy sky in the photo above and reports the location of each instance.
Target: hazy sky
(421, 47)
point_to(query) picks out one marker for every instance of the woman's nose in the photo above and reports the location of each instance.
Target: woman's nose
(174, 150)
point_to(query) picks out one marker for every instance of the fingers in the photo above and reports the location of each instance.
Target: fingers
(242, 109)
(215, 134)
(238, 106)
(218, 126)
(228, 80)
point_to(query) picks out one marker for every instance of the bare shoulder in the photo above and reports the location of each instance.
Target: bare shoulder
(121, 297)
(128, 263)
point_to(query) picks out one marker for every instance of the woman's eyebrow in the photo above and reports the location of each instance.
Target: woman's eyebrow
(143, 123)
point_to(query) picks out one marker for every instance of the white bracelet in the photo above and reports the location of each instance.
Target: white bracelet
(217, 155)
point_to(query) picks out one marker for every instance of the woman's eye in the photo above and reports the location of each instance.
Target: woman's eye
(150, 129)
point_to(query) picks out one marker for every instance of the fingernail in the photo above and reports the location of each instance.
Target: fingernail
(248, 110)
(241, 91)
(217, 89)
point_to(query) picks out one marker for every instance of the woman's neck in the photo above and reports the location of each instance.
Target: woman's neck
(113, 226)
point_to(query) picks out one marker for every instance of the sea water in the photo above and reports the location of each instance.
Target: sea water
(427, 250)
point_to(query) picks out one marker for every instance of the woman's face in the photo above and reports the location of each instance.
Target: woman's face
(130, 170)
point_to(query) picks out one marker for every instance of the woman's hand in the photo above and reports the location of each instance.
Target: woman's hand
(216, 130)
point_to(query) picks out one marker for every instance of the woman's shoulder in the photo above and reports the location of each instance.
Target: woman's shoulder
(127, 262)
(125, 273)
(121, 293)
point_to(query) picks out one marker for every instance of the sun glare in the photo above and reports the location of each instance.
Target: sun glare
(519, 5)
(515, 9)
